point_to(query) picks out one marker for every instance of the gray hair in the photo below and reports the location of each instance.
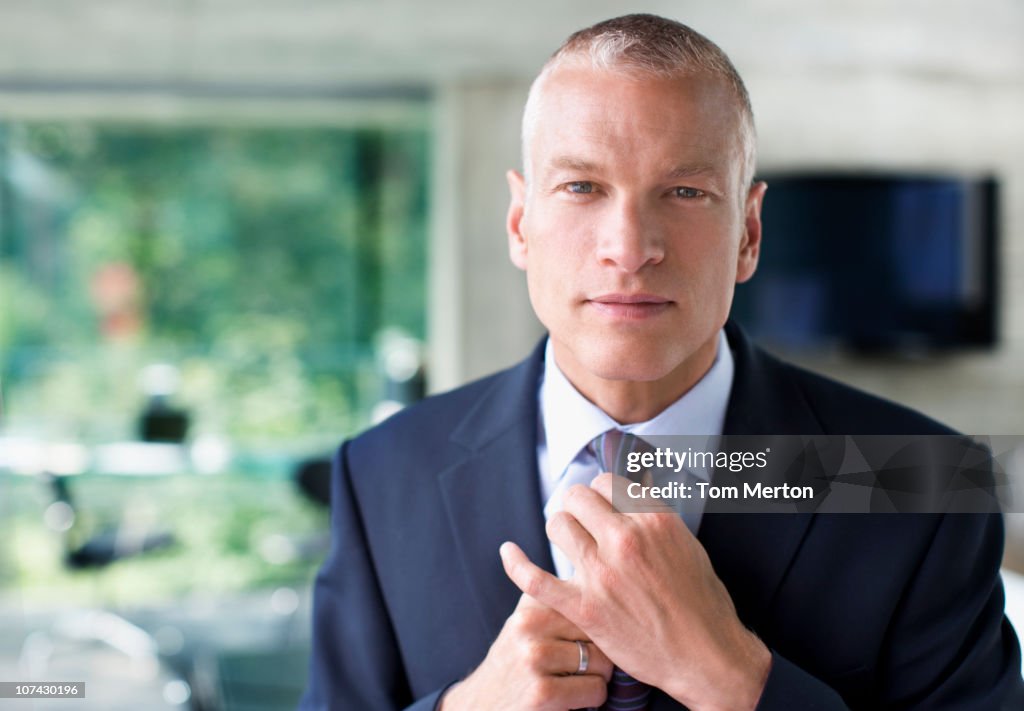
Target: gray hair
(644, 45)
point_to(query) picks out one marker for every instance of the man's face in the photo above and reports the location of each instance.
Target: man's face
(635, 227)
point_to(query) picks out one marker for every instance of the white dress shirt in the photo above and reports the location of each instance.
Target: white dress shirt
(568, 422)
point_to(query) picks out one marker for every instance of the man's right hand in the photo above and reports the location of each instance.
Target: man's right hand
(531, 667)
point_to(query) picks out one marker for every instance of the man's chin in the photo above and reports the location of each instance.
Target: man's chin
(621, 357)
(632, 374)
(615, 365)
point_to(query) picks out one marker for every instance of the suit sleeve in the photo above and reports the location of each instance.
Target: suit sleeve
(355, 662)
(949, 645)
(789, 687)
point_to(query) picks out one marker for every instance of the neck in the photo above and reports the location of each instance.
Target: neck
(631, 401)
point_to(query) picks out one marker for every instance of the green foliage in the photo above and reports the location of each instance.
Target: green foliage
(266, 260)
(233, 532)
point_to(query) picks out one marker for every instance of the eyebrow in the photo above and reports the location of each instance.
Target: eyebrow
(687, 171)
(586, 166)
(573, 163)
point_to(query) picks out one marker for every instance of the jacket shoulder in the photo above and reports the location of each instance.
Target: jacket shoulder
(434, 416)
(443, 427)
(843, 409)
(772, 395)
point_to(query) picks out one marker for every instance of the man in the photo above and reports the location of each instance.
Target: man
(635, 217)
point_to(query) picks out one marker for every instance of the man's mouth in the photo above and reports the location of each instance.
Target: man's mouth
(630, 307)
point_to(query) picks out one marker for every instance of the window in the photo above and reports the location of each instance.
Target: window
(261, 262)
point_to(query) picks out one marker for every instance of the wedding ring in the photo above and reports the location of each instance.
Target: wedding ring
(584, 658)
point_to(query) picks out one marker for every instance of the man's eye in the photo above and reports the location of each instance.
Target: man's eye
(689, 193)
(580, 187)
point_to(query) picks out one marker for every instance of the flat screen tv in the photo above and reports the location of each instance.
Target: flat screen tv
(875, 263)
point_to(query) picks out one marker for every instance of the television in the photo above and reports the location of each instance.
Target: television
(875, 263)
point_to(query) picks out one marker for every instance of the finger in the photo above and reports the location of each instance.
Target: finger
(582, 691)
(571, 538)
(592, 510)
(536, 619)
(561, 657)
(609, 486)
(598, 663)
(535, 582)
(615, 490)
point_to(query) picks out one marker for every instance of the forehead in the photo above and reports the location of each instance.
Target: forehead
(641, 122)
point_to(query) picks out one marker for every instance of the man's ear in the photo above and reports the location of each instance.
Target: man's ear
(513, 223)
(750, 245)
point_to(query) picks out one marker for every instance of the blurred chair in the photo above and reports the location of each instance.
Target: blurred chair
(313, 477)
(97, 549)
(160, 420)
(83, 636)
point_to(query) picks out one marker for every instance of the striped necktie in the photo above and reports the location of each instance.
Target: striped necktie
(612, 449)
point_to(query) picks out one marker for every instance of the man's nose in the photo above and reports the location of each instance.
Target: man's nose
(630, 238)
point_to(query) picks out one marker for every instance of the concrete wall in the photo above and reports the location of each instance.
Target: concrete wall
(479, 318)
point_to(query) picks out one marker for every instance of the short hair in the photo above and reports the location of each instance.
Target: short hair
(646, 45)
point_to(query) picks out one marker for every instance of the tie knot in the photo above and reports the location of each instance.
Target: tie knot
(612, 450)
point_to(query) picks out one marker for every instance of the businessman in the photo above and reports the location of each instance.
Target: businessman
(477, 559)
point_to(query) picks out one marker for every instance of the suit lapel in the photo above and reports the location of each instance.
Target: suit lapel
(752, 552)
(493, 494)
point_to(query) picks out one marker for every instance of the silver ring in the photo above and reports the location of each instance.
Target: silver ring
(584, 658)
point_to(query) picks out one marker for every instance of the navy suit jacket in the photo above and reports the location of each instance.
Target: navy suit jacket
(879, 611)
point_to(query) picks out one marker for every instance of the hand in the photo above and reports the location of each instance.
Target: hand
(531, 667)
(645, 592)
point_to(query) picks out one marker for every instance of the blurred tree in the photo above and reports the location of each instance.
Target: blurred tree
(261, 261)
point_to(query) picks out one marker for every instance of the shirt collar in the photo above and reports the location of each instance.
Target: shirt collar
(570, 421)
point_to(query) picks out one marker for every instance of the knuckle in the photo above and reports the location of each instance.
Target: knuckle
(606, 577)
(533, 653)
(528, 619)
(662, 522)
(515, 621)
(590, 557)
(545, 690)
(534, 696)
(655, 521)
(557, 522)
(626, 544)
(532, 584)
(575, 495)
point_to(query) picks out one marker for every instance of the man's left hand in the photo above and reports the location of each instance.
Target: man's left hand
(645, 592)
